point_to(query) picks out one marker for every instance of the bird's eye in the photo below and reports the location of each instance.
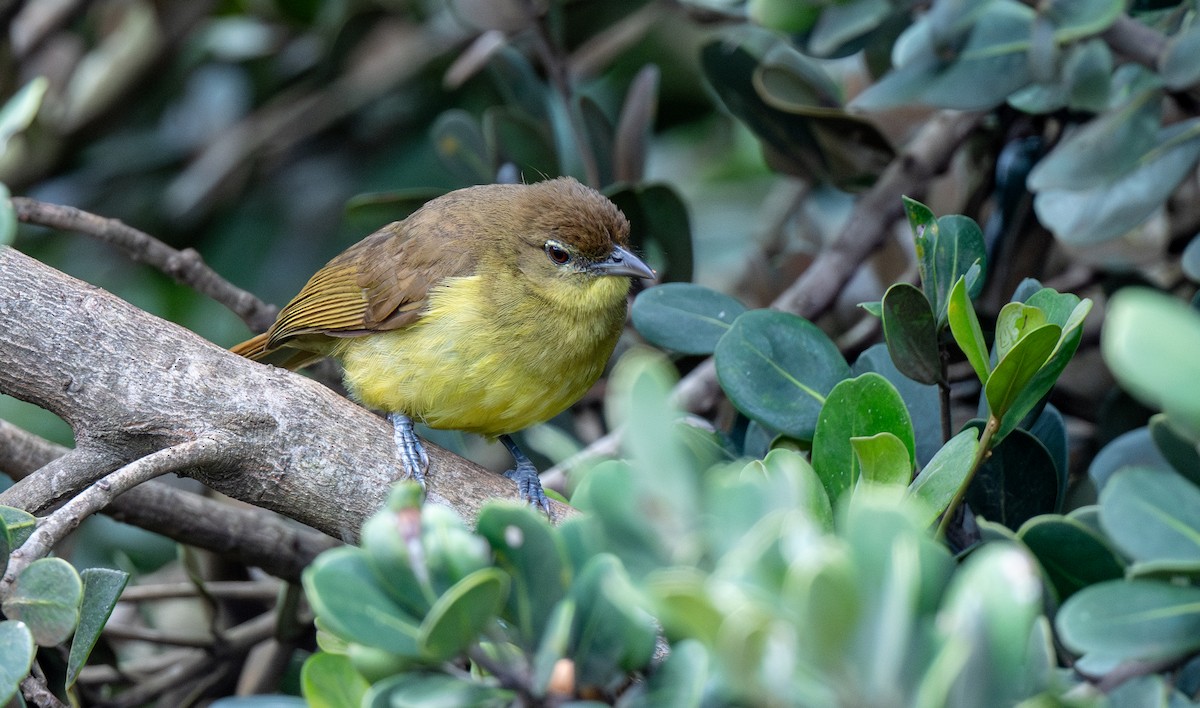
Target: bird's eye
(558, 255)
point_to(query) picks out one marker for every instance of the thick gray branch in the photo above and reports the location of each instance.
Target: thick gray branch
(130, 384)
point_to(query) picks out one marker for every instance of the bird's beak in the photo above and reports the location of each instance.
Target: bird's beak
(623, 262)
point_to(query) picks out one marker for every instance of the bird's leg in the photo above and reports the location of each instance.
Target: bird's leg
(413, 459)
(529, 485)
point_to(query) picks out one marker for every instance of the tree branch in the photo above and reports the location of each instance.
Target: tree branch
(249, 535)
(203, 451)
(130, 384)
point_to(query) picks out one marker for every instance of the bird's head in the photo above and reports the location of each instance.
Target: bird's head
(577, 242)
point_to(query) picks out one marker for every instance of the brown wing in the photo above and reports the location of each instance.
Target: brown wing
(380, 283)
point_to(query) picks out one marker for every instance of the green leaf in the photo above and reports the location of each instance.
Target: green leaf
(46, 597)
(533, 556)
(957, 252)
(20, 110)
(8, 217)
(20, 524)
(1150, 342)
(330, 681)
(856, 407)
(924, 406)
(1152, 515)
(777, 369)
(683, 605)
(1132, 620)
(613, 634)
(459, 142)
(1177, 450)
(1015, 371)
(973, 65)
(600, 136)
(344, 591)
(1013, 323)
(941, 479)
(966, 330)
(678, 681)
(791, 483)
(659, 224)
(991, 605)
(553, 644)
(817, 148)
(519, 84)
(1072, 555)
(1076, 19)
(1017, 482)
(101, 590)
(1102, 149)
(910, 330)
(1087, 73)
(683, 317)
(512, 135)
(1063, 310)
(461, 613)
(430, 690)
(1179, 64)
(844, 25)
(883, 459)
(16, 657)
(635, 125)
(1101, 212)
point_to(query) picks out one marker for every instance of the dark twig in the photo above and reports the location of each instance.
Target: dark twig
(36, 690)
(252, 536)
(186, 267)
(558, 71)
(54, 528)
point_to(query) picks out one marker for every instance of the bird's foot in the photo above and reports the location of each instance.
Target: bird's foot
(414, 461)
(529, 485)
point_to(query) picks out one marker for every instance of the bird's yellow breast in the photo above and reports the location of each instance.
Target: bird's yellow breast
(490, 355)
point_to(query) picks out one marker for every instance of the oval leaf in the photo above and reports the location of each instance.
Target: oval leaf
(1152, 515)
(461, 613)
(46, 597)
(683, 317)
(910, 330)
(859, 407)
(1017, 482)
(346, 596)
(1150, 342)
(1132, 620)
(16, 657)
(1014, 371)
(1072, 555)
(534, 558)
(330, 681)
(777, 369)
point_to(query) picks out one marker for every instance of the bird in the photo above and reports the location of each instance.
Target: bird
(488, 310)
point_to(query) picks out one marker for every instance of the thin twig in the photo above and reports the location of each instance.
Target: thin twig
(56, 526)
(154, 636)
(240, 640)
(37, 691)
(224, 589)
(186, 267)
(558, 71)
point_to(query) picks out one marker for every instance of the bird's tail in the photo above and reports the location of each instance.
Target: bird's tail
(285, 356)
(254, 348)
